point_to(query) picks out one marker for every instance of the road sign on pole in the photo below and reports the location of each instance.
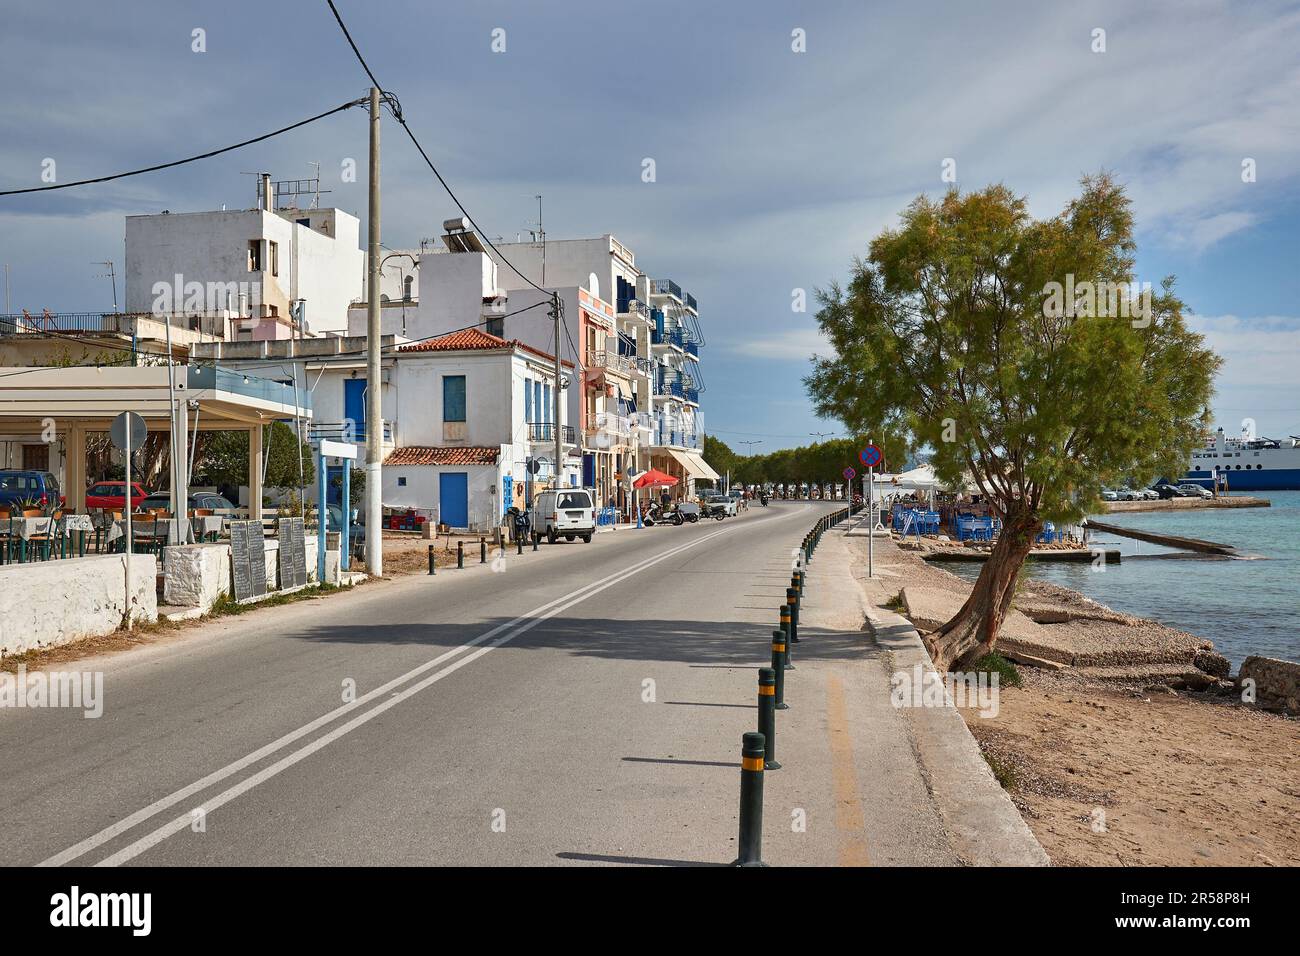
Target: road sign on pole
(870, 456)
(119, 435)
(849, 474)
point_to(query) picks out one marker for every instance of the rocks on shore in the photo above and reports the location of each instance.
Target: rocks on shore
(1276, 683)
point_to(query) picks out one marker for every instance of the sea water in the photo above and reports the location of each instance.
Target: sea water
(1244, 605)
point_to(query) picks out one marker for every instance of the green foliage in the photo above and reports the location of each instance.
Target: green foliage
(946, 336)
(995, 663)
(225, 458)
(356, 485)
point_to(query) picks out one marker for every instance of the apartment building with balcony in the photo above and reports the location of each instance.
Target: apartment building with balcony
(654, 343)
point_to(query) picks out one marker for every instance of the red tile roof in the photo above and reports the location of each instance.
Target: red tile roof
(431, 455)
(475, 339)
(459, 341)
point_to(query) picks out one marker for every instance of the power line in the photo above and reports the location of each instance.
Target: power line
(182, 162)
(396, 109)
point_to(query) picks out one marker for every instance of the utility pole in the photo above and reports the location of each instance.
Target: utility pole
(559, 447)
(374, 417)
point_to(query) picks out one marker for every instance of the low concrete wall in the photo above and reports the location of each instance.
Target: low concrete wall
(47, 603)
(198, 574)
(1277, 682)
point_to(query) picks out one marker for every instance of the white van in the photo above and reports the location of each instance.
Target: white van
(569, 513)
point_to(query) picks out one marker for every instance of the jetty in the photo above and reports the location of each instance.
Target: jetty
(1168, 540)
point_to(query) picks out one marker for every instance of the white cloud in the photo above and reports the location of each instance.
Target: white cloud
(789, 344)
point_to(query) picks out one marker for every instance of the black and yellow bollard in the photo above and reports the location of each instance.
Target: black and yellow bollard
(536, 539)
(779, 648)
(750, 842)
(792, 601)
(460, 554)
(767, 716)
(482, 550)
(431, 559)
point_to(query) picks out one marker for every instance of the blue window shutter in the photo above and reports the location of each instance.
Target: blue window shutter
(528, 400)
(546, 408)
(453, 398)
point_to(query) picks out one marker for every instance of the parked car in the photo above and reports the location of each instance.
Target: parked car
(1166, 491)
(1128, 494)
(38, 488)
(569, 513)
(712, 502)
(1149, 494)
(111, 495)
(1195, 491)
(1108, 495)
(198, 499)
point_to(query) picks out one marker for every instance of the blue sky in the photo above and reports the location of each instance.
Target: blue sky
(773, 168)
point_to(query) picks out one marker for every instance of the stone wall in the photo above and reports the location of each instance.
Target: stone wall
(1277, 682)
(47, 603)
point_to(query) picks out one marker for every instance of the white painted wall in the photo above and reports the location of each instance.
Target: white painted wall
(320, 261)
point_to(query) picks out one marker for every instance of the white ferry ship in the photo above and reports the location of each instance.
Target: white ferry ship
(1247, 463)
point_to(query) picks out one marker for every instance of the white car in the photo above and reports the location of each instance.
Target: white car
(568, 513)
(1108, 495)
(1128, 494)
(715, 501)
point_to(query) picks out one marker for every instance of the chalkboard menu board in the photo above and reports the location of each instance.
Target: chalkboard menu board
(247, 559)
(293, 553)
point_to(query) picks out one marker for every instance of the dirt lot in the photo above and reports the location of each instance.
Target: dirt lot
(1113, 776)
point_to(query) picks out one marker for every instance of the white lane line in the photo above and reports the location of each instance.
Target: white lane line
(536, 616)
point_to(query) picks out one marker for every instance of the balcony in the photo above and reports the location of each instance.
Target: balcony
(666, 287)
(670, 390)
(545, 432)
(604, 358)
(672, 337)
(142, 325)
(350, 431)
(693, 350)
(690, 303)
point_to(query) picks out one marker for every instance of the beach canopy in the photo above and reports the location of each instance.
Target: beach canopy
(652, 478)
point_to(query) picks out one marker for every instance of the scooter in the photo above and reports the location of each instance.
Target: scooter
(763, 499)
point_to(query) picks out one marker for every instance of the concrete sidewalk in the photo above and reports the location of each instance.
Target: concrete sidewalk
(981, 825)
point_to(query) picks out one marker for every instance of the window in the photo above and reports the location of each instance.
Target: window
(453, 398)
(254, 255)
(401, 481)
(274, 249)
(528, 401)
(546, 402)
(407, 282)
(496, 326)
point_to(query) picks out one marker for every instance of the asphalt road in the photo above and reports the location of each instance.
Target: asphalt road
(581, 705)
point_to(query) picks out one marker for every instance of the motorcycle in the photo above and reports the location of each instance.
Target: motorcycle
(763, 500)
(657, 514)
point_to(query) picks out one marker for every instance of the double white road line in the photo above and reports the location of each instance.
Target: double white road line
(494, 638)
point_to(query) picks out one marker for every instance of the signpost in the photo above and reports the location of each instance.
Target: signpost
(870, 456)
(128, 430)
(849, 475)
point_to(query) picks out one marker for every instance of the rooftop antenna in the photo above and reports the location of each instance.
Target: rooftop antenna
(110, 275)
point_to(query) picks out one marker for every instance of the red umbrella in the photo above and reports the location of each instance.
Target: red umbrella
(653, 477)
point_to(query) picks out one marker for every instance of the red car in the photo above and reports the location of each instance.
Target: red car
(112, 495)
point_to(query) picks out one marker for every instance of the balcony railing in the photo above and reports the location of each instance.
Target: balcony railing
(633, 307)
(693, 350)
(668, 337)
(670, 389)
(604, 358)
(251, 386)
(666, 287)
(690, 302)
(108, 323)
(693, 395)
(347, 430)
(545, 431)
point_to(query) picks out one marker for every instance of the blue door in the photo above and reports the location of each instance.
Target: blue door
(354, 405)
(453, 499)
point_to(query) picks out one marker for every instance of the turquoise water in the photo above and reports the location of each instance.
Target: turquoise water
(1243, 606)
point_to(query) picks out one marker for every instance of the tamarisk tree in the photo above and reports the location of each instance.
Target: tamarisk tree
(1023, 355)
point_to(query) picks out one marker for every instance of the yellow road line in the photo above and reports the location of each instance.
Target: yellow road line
(849, 821)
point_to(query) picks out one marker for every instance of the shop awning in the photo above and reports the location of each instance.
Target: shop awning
(695, 465)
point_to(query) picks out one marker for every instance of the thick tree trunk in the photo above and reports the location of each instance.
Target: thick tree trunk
(974, 630)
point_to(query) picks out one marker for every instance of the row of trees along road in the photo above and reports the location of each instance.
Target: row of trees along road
(821, 463)
(953, 335)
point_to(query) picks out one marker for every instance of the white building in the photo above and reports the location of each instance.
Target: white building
(254, 263)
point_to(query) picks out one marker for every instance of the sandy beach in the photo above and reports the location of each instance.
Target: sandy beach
(1130, 754)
